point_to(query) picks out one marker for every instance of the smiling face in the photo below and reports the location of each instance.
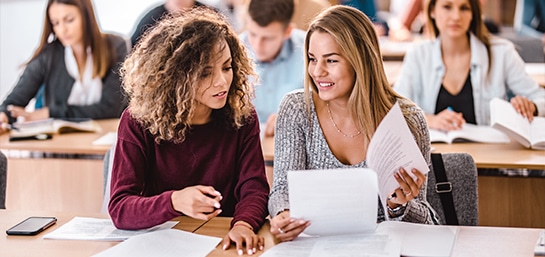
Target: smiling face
(215, 81)
(67, 23)
(329, 69)
(452, 17)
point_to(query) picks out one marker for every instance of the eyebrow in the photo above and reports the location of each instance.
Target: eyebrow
(326, 55)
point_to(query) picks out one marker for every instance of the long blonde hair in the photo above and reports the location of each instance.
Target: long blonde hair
(162, 73)
(371, 97)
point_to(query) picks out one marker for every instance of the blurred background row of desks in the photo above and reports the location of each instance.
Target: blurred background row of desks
(470, 241)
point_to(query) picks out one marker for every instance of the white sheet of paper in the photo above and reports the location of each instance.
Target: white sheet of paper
(337, 201)
(392, 147)
(168, 242)
(107, 139)
(82, 228)
(420, 239)
(353, 245)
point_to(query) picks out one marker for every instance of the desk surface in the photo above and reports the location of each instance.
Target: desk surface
(511, 155)
(81, 143)
(471, 241)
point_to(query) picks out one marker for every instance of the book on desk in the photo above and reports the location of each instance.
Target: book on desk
(469, 133)
(505, 118)
(45, 129)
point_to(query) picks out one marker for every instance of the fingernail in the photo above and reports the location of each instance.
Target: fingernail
(217, 193)
(217, 205)
(261, 248)
(224, 247)
(240, 252)
(302, 222)
(254, 250)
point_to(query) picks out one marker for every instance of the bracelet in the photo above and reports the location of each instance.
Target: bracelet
(244, 225)
(397, 211)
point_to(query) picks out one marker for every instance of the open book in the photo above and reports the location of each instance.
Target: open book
(469, 133)
(504, 117)
(44, 129)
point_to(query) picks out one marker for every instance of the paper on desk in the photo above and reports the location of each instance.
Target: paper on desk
(420, 239)
(338, 246)
(336, 201)
(82, 228)
(393, 146)
(107, 139)
(164, 243)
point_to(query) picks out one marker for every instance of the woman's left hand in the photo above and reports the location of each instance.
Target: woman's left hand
(18, 111)
(408, 187)
(242, 234)
(524, 106)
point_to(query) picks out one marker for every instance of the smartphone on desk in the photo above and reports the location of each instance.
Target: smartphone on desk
(32, 226)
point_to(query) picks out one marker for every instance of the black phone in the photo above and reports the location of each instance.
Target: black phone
(32, 226)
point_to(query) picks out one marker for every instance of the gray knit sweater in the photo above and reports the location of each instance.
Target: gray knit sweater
(300, 145)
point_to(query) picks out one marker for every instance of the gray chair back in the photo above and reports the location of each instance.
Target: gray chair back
(462, 173)
(108, 162)
(3, 179)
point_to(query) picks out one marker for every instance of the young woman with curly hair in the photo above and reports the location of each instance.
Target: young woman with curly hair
(189, 144)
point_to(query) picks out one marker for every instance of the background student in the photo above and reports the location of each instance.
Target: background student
(454, 77)
(277, 49)
(76, 63)
(188, 144)
(158, 13)
(331, 123)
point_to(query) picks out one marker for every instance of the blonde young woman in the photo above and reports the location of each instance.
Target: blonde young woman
(330, 124)
(188, 144)
(454, 77)
(75, 63)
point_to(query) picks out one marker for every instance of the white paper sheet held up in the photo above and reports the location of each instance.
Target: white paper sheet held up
(337, 201)
(165, 243)
(393, 146)
(82, 228)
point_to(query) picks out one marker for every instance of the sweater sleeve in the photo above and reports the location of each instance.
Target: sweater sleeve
(290, 148)
(252, 188)
(128, 208)
(111, 103)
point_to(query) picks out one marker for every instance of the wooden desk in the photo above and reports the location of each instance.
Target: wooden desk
(37, 246)
(511, 155)
(57, 184)
(471, 241)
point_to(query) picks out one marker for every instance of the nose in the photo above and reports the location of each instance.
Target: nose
(456, 13)
(316, 69)
(220, 79)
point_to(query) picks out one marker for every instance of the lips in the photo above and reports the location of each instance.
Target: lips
(220, 94)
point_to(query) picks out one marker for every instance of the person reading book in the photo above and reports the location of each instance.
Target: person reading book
(76, 65)
(330, 124)
(189, 144)
(454, 76)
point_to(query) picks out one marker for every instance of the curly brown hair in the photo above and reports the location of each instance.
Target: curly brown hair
(161, 74)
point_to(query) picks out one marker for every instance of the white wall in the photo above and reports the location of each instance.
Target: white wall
(21, 23)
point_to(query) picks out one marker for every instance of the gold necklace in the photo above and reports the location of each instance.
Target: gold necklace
(335, 125)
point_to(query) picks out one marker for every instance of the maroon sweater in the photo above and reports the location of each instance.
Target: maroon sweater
(144, 174)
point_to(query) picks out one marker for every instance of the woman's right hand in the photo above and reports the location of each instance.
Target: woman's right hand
(199, 202)
(286, 228)
(446, 120)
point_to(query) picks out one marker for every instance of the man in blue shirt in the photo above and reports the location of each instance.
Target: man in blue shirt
(277, 48)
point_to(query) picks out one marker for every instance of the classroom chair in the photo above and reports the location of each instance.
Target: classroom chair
(461, 173)
(3, 179)
(108, 162)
